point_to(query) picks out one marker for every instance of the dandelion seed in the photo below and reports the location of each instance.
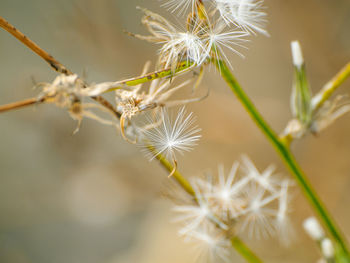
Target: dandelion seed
(192, 216)
(198, 215)
(178, 45)
(246, 14)
(184, 46)
(283, 223)
(211, 244)
(219, 39)
(265, 179)
(228, 195)
(257, 218)
(172, 136)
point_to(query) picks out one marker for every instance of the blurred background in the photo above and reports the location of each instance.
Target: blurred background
(93, 197)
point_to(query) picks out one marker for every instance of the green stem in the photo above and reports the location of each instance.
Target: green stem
(286, 155)
(237, 243)
(182, 67)
(245, 251)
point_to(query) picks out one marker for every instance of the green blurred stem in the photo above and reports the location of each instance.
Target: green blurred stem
(245, 252)
(238, 244)
(286, 155)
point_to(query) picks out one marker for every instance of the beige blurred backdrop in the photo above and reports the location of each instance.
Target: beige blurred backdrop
(92, 197)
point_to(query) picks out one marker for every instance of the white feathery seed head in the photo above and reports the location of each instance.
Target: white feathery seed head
(239, 202)
(171, 135)
(265, 180)
(258, 218)
(220, 39)
(227, 195)
(211, 244)
(313, 228)
(246, 14)
(184, 45)
(197, 216)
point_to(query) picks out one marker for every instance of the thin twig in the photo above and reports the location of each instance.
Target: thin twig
(20, 104)
(55, 64)
(182, 67)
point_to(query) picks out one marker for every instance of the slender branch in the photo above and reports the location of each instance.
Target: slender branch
(107, 105)
(330, 87)
(55, 64)
(19, 104)
(285, 154)
(182, 67)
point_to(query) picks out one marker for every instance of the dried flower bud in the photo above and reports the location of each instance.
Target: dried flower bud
(301, 93)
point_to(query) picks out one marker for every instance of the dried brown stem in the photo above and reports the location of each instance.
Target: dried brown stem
(55, 64)
(20, 104)
(107, 105)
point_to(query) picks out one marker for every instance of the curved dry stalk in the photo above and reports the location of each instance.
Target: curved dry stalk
(174, 168)
(122, 130)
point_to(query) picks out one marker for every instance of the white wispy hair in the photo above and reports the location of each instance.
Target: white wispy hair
(283, 221)
(211, 244)
(246, 14)
(171, 135)
(178, 45)
(257, 217)
(266, 180)
(227, 194)
(197, 44)
(184, 46)
(197, 215)
(219, 38)
(244, 200)
(180, 6)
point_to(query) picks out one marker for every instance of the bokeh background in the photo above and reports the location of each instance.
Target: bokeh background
(94, 198)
